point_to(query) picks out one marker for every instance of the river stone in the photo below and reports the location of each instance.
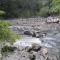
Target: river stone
(32, 57)
(35, 47)
(44, 51)
(27, 33)
(34, 34)
(52, 20)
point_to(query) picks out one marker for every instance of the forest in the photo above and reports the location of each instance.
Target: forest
(28, 8)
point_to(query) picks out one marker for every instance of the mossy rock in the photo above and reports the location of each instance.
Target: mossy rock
(7, 49)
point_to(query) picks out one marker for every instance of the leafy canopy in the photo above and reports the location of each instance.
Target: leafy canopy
(55, 6)
(2, 12)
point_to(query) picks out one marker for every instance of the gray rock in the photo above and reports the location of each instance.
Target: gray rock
(27, 33)
(32, 57)
(52, 20)
(34, 34)
(36, 47)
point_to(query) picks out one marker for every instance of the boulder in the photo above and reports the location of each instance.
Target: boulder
(44, 51)
(35, 47)
(7, 49)
(32, 57)
(52, 20)
(27, 33)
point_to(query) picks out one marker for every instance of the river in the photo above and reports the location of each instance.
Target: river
(51, 40)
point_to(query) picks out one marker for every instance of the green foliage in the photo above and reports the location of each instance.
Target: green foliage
(4, 24)
(7, 34)
(2, 13)
(56, 9)
(55, 6)
(44, 11)
(27, 8)
(17, 8)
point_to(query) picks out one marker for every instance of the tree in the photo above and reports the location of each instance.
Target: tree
(44, 11)
(2, 12)
(27, 8)
(55, 6)
(17, 8)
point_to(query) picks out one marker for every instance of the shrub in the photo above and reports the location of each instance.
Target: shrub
(6, 34)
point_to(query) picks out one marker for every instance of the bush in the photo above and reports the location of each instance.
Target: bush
(6, 34)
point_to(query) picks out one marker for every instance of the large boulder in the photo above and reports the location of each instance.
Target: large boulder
(35, 47)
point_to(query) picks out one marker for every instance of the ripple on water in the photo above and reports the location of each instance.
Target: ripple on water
(48, 41)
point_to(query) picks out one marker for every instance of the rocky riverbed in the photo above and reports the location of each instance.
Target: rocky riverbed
(35, 52)
(29, 53)
(48, 33)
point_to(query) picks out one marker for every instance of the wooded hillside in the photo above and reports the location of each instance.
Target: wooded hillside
(27, 8)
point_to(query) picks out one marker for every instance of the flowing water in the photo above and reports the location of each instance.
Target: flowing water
(51, 40)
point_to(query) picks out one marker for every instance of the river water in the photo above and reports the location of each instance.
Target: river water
(51, 40)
